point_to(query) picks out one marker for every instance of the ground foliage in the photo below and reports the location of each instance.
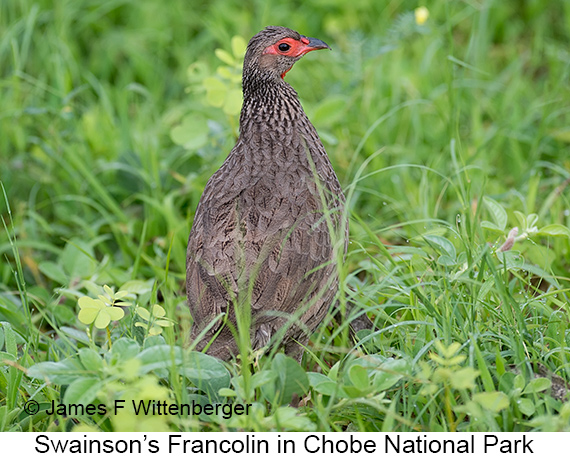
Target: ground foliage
(446, 134)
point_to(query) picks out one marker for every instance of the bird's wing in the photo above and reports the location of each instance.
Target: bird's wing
(272, 247)
(260, 236)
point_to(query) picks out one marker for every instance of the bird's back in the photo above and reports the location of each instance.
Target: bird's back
(261, 234)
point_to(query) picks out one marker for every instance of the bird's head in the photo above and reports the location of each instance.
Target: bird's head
(273, 51)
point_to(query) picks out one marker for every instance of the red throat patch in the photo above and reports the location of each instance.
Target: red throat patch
(284, 73)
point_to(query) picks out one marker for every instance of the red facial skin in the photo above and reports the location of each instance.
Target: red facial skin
(297, 48)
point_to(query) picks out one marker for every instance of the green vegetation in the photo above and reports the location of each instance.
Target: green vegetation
(446, 136)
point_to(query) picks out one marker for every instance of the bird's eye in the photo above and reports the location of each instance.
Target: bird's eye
(284, 47)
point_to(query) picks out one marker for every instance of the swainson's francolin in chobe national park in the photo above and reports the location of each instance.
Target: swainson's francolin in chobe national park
(265, 228)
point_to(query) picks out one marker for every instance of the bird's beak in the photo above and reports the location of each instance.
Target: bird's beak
(313, 44)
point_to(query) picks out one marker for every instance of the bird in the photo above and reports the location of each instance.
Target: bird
(269, 225)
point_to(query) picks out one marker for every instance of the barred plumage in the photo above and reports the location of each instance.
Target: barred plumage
(261, 230)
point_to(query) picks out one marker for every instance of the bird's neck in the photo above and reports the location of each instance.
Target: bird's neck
(274, 127)
(270, 105)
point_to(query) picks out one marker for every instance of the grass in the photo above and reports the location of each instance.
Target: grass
(445, 136)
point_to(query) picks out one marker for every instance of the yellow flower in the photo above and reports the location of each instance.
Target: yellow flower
(421, 13)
